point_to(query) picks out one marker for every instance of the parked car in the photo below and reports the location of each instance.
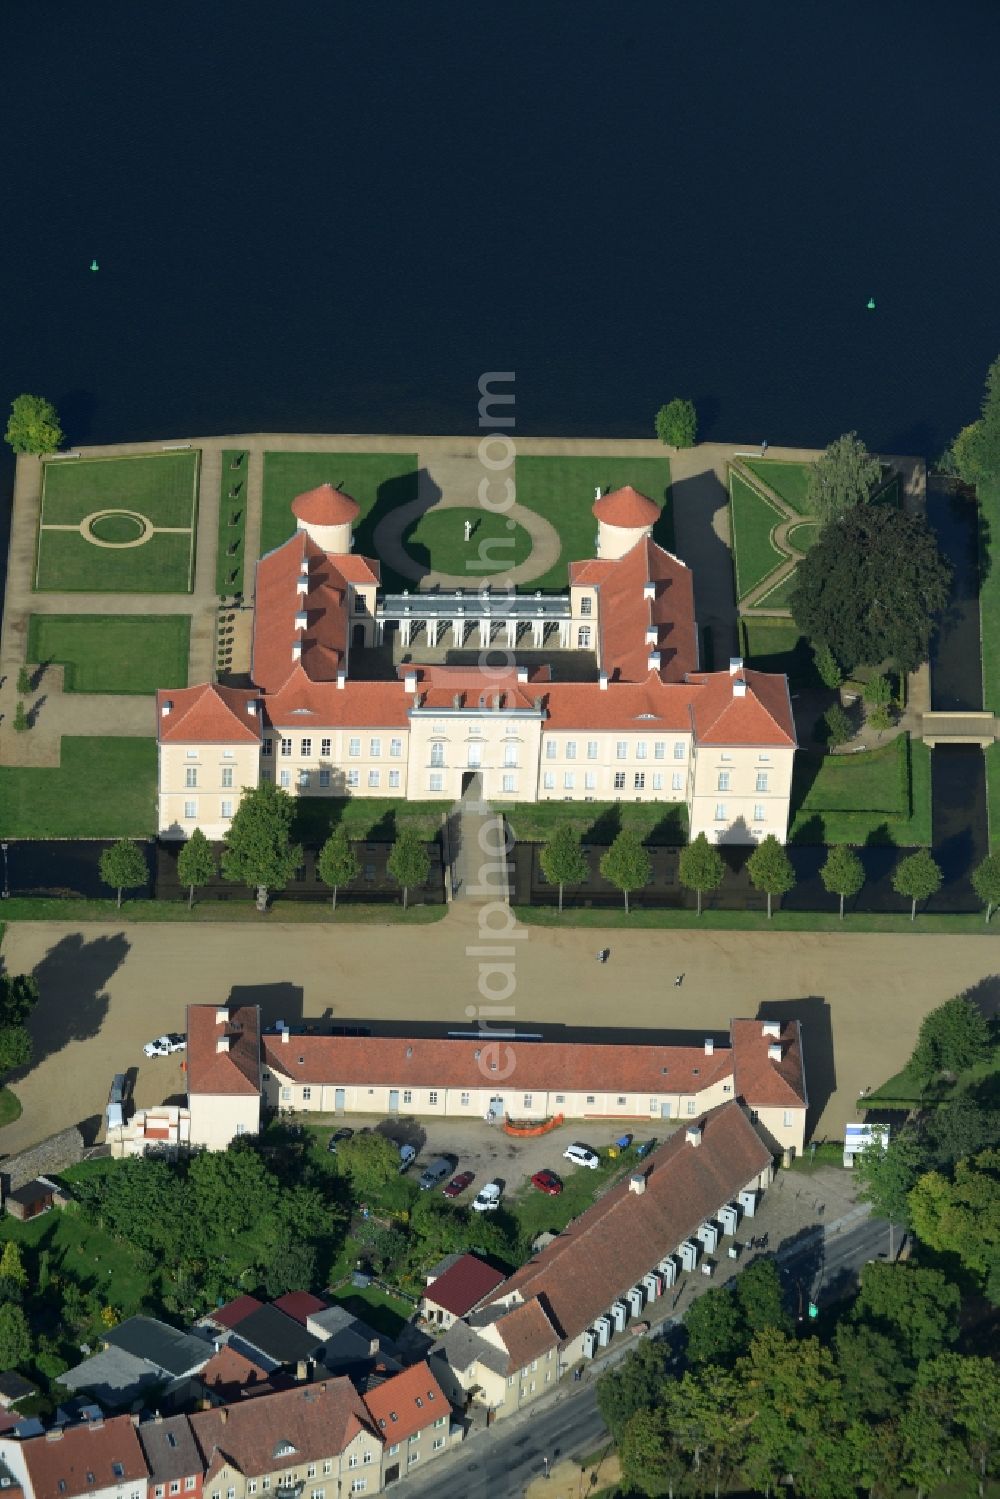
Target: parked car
(434, 1174)
(547, 1182)
(165, 1046)
(117, 1098)
(338, 1137)
(458, 1183)
(582, 1155)
(488, 1198)
(407, 1156)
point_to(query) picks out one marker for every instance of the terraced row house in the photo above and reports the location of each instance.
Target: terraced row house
(602, 697)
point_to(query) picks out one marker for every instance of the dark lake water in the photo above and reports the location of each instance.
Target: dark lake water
(320, 216)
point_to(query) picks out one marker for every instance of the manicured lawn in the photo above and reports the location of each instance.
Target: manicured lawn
(562, 491)
(378, 481)
(437, 541)
(670, 919)
(993, 794)
(232, 522)
(376, 817)
(161, 487)
(290, 912)
(989, 593)
(103, 788)
(113, 652)
(804, 535)
(778, 645)
(599, 822)
(387, 1314)
(778, 596)
(788, 480)
(10, 1107)
(880, 796)
(752, 520)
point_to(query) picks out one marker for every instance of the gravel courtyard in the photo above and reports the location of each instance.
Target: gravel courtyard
(107, 989)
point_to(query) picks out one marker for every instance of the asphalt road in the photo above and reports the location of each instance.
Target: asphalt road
(500, 1464)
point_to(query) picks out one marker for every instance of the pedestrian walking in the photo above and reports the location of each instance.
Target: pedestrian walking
(678, 980)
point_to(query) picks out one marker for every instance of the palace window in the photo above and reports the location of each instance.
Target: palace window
(583, 638)
(305, 748)
(227, 775)
(586, 606)
(394, 780)
(286, 746)
(762, 780)
(395, 748)
(591, 749)
(639, 781)
(679, 750)
(619, 780)
(326, 746)
(723, 780)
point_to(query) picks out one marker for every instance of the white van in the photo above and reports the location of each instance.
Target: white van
(115, 1110)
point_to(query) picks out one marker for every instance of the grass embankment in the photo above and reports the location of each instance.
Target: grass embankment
(599, 822)
(876, 796)
(376, 818)
(232, 521)
(113, 652)
(989, 618)
(910, 1089)
(27, 908)
(671, 919)
(752, 519)
(103, 788)
(380, 482)
(561, 490)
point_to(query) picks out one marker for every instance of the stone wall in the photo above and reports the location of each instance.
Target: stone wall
(54, 1154)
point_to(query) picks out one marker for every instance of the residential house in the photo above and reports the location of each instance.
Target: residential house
(350, 1346)
(280, 1338)
(172, 1458)
(99, 1459)
(231, 1374)
(458, 1290)
(223, 1073)
(299, 1305)
(316, 1440)
(413, 1418)
(141, 1356)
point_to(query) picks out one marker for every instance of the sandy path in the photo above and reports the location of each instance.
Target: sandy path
(106, 990)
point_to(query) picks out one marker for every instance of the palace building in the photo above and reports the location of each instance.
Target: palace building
(593, 694)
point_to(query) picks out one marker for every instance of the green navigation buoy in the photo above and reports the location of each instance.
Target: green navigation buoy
(95, 267)
(871, 301)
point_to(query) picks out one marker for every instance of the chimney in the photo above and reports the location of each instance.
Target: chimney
(774, 1052)
(302, 1370)
(341, 680)
(654, 661)
(735, 665)
(54, 1434)
(649, 590)
(522, 673)
(297, 650)
(166, 708)
(771, 1028)
(637, 1183)
(222, 1044)
(373, 1347)
(224, 1415)
(739, 687)
(322, 1388)
(222, 1015)
(651, 635)
(301, 620)
(693, 1135)
(709, 1046)
(410, 681)
(284, 1033)
(603, 681)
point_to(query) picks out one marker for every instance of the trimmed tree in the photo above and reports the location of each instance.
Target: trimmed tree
(770, 869)
(843, 873)
(951, 1038)
(196, 864)
(827, 665)
(563, 860)
(918, 878)
(24, 681)
(123, 867)
(337, 863)
(701, 867)
(844, 476)
(986, 882)
(259, 850)
(838, 726)
(677, 423)
(20, 718)
(33, 425)
(409, 862)
(626, 864)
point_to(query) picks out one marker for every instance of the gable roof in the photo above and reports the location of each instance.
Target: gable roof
(170, 1449)
(625, 614)
(300, 1305)
(93, 1455)
(761, 715)
(234, 1070)
(302, 703)
(175, 1352)
(234, 1311)
(527, 1332)
(407, 1403)
(464, 1285)
(761, 1082)
(208, 714)
(229, 1370)
(278, 1336)
(626, 507)
(314, 1421)
(625, 1234)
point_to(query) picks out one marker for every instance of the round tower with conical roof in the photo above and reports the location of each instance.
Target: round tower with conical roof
(624, 517)
(327, 515)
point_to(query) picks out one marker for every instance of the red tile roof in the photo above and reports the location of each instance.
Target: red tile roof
(762, 715)
(761, 1082)
(423, 1062)
(624, 1235)
(229, 1371)
(527, 1333)
(625, 614)
(464, 1285)
(277, 605)
(652, 704)
(82, 1459)
(300, 1304)
(407, 1403)
(300, 703)
(316, 1420)
(208, 715)
(325, 506)
(626, 507)
(235, 1070)
(234, 1311)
